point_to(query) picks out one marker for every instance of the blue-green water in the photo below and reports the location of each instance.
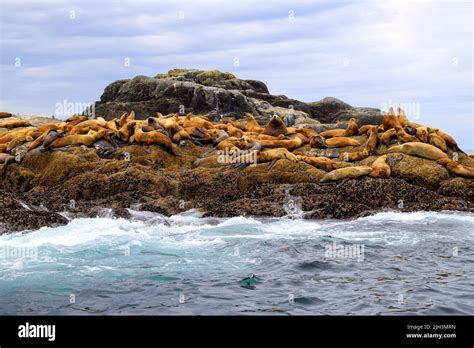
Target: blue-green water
(390, 263)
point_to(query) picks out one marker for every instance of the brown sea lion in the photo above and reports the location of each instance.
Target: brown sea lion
(290, 144)
(113, 125)
(353, 156)
(251, 125)
(419, 149)
(317, 142)
(333, 133)
(75, 118)
(234, 131)
(95, 124)
(275, 127)
(346, 173)
(422, 134)
(78, 139)
(6, 137)
(402, 117)
(126, 131)
(5, 114)
(403, 136)
(18, 141)
(181, 135)
(449, 140)
(14, 124)
(390, 120)
(457, 168)
(197, 121)
(352, 128)
(322, 163)
(341, 142)
(387, 136)
(234, 123)
(154, 137)
(435, 140)
(380, 168)
(169, 124)
(365, 128)
(308, 132)
(372, 141)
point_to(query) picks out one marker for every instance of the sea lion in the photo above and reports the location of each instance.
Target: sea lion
(419, 149)
(275, 154)
(353, 156)
(113, 125)
(169, 124)
(220, 135)
(262, 156)
(232, 144)
(308, 132)
(390, 120)
(181, 135)
(95, 124)
(38, 141)
(435, 140)
(346, 173)
(372, 141)
(50, 137)
(403, 136)
(380, 168)
(18, 141)
(365, 128)
(457, 168)
(422, 134)
(341, 142)
(14, 124)
(234, 131)
(402, 117)
(78, 139)
(290, 144)
(251, 124)
(75, 118)
(333, 133)
(126, 118)
(5, 114)
(10, 135)
(126, 131)
(234, 123)
(317, 142)
(323, 163)
(449, 140)
(275, 127)
(387, 136)
(352, 128)
(197, 121)
(154, 137)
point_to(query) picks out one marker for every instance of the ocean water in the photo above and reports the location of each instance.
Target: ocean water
(389, 263)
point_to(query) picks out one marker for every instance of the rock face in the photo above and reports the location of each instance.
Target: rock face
(219, 94)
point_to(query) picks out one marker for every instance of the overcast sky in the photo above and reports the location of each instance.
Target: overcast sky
(367, 53)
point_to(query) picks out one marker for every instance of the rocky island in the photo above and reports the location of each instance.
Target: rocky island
(206, 140)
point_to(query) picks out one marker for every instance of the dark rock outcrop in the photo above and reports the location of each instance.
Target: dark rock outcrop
(219, 94)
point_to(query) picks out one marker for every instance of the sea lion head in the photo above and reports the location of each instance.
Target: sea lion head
(317, 141)
(275, 127)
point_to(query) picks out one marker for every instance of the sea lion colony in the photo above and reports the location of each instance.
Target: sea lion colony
(269, 143)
